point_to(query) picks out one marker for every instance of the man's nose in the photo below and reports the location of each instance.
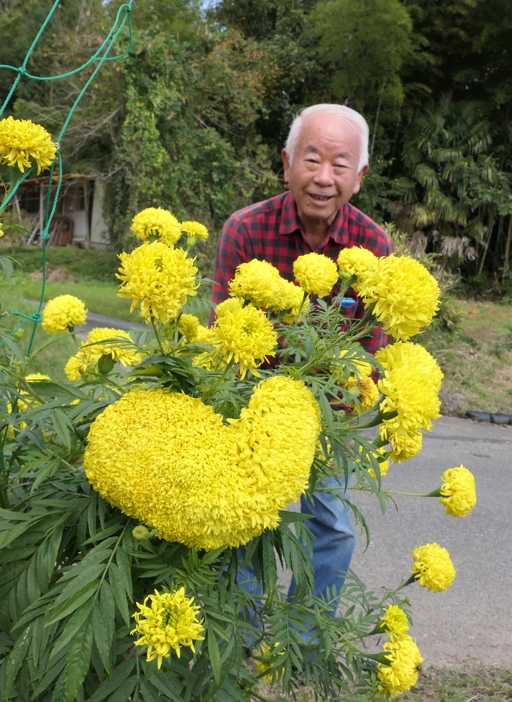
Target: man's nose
(324, 175)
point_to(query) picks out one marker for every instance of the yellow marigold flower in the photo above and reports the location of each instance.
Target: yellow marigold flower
(169, 621)
(245, 336)
(401, 673)
(405, 295)
(350, 375)
(195, 229)
(408, 392)
(368, 395)
(22, 140)
(62, 313)
(1, 230)
(143, 452)
(258, 282)
(189, 326)
(104, 341)
(458, 493)
(157, 278)
(395, 620)
(156, 222)
(433, 567)
(292, 301)
(355, 261)
(404, 445)
(315, 273)
(232, 304)
(76, 367)
(381, 455)
(264, 660)
(31, 378)
(404, 353)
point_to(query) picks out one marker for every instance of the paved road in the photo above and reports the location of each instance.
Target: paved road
(471, 623)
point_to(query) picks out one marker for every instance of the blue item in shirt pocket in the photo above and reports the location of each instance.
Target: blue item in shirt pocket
(348, 305)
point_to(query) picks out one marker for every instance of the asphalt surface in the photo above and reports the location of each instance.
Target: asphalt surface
(471, 623)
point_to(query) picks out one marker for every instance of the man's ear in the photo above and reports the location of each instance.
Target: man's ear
(286, 164)
(359, 179)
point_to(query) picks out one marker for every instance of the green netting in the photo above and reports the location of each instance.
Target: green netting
(122, 21)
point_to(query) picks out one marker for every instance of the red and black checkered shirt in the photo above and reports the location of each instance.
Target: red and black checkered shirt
(271, 231)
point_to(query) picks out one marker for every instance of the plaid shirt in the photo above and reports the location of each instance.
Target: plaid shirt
(271, 231)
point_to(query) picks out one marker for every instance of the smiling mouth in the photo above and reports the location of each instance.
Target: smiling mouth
(320, 198)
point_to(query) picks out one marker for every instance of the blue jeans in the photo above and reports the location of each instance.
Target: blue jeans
(333, 544)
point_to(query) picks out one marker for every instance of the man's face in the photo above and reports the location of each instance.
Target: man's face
(324, 174)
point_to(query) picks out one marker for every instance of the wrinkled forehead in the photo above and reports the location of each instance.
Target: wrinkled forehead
(319, 128)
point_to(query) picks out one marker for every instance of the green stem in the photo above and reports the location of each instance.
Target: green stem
(157, 336)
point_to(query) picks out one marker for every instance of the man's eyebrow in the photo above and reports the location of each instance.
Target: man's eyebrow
(313, 149)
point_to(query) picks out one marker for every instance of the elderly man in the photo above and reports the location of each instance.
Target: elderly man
(325, 157)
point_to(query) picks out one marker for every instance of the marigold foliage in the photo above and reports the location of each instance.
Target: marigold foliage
(433, 567)
(143, 455)
(168, 622)
(401, 673)
(158, 278)
(195, 229)
(404, 294)
(21, 140)
(458, 492)
(315, 273)
(355, 261)
(62, 313)
(245, 336)
(156, 222)
(395, 620)
(258, 282)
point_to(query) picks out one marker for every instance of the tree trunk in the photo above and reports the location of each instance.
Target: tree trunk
(507, 249)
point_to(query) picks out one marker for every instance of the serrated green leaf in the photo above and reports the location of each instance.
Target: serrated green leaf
(124, 691)
(125, 571)
(75, 622)
(17, 656)
(77, 600)
(78, 661)
(119, 675)
(61, 425)
(214, 655)
(101, 636)
(117, 585)
(161, 683)
(147, 692)
(108, 607)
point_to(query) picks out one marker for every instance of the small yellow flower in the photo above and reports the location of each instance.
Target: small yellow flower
(401, 673)
(21, 140)
(315, 273)
(195, 230)
(292, 301)
(433, 567)
(264, 660)
(102, 341)
(158, 278)
(458, 493)
(169, 621)
(232, 304)
(156, 222)
(245, 336)
(395, 620)
(355, 260)
(258, 282)
(62, 313)
(189, 326)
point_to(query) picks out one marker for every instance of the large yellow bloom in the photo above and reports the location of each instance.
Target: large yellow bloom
(315, 273)
(433, 567)
(21, 141)
(169, 621)
(245, 336)
(157, 278)
(156, 222)
(143, 455)
(407, 353)
(409, 393)
(404, 444)
(258, 282)
(62, 313)
(395, 620)
(102, 341)
(458, 493)
(405, 294)
(355, 260)
(401, 673)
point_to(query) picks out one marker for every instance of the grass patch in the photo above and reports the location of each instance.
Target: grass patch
(82, 264)
(434, 685)
(476, 359)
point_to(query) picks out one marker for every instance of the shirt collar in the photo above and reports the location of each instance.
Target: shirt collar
(291, 223)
